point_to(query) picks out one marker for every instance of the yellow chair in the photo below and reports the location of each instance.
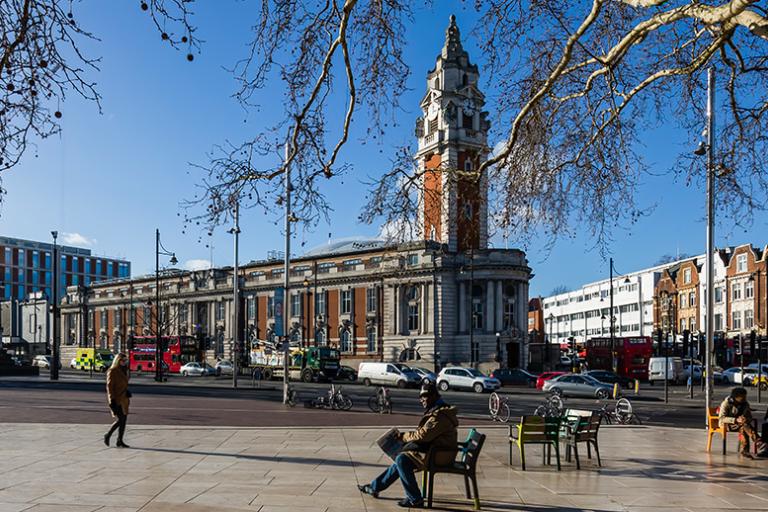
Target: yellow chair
(713, 424)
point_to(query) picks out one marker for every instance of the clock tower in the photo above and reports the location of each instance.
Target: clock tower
(452, 135)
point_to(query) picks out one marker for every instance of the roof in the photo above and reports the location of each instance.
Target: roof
(346, 245)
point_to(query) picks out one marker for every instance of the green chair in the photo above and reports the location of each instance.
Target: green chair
(536, 430)
(465, 465)
(583, 430)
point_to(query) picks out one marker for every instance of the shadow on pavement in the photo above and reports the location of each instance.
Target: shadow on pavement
(279, 458)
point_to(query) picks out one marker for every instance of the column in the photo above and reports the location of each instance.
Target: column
(490, 304)
(395, 309)
(500, 307)
(462, 307)
(425, 309)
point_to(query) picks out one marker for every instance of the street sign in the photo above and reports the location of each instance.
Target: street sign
(278, 302)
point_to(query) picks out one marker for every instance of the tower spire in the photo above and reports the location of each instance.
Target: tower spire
(452, 47)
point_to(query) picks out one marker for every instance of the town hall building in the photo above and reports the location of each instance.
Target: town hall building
(444, 298)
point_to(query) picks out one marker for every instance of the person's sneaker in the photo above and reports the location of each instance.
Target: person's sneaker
(367, 489)
(106, 439)
(121, 444)
(406, 503)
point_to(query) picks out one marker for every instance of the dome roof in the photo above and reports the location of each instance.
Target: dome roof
(345, 245)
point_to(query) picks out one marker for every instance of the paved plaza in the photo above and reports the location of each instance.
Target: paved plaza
(66, 468)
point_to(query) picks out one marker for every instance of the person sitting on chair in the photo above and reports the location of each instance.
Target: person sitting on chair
(736, 416)
(437, 429)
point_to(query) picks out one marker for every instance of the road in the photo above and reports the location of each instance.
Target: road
(77, 398)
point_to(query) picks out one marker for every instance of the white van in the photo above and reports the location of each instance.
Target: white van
(387, 374)
(656, 369)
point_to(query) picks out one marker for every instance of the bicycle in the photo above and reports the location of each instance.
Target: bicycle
(334, 399)
(380, 402)
(622, 414)
(498, 408)
(551, 408)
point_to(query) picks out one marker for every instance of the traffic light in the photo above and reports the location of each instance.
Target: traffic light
(752, 343)
(659, 341)
(686, 336)
(738, 344)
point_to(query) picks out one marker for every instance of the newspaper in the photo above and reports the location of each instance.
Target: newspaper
(390, 443)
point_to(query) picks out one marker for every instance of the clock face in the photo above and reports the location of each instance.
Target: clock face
(469, 104)
(433, 108)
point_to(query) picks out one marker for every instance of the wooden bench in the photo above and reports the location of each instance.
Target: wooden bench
(465, 465)
(536, 430)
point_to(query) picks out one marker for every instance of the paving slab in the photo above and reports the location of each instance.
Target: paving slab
(67, 468)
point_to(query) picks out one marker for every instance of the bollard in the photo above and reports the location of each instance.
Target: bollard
(637, 386)
(616, 390)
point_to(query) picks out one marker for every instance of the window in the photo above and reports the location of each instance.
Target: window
(182, 313)
(467, 119)
(352, 263)
(413, 259)
(741, 263)
(736, 320)
(683, 300)
(413, 316)
(736, 291)
(147, 315)
(371, 338)
(718, 322)
(118, 319)
(692, 324)
(683, 325)
(295, 304)
(432, 125)
(692, 299)
(345, 342)
(749, 290)
(509, 314)
(477, 315)
(749, 319)
(687, 276)
(370, 300)
(320, 303)
(718, 295)
(251, 308)
(320, 338)
(346, 302)
(270, 307)
(219, 308)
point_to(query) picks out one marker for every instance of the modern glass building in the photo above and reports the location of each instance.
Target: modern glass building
(27, 266)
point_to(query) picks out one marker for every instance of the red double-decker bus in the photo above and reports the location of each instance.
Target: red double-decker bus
(178, 351)
(632, 355)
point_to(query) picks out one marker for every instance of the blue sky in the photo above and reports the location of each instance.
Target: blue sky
(110, 179)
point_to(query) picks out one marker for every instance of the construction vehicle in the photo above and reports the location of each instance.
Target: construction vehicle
(306, 364)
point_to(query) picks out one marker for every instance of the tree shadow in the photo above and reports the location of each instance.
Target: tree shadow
(663, 469)
(280, 458)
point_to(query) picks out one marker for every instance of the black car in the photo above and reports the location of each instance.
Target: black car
(347, 373)
(514, 377)
(609, 377)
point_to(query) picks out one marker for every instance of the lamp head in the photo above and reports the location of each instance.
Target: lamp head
(701, 149)
(173, 259)
(306, 283)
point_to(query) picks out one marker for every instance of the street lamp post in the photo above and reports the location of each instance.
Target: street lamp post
(305, 315)
(612, 318)
(54, 373)
(159, 249)
(236, 296)
(760, 340)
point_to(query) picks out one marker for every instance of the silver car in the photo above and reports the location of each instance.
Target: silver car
(224, 367)
(456, 377)
(197, 369)
(572, 384)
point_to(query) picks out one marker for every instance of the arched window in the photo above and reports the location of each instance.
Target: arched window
(410, 354)
(345, 341)
(412, 298)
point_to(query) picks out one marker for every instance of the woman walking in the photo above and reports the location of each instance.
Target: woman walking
(118, 398)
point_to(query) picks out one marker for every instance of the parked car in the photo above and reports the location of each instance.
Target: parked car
(673, 373)
(572, 384)
(746, 376)
(543, 377)
(347, 373)
(197, 370)
(43, 362)
(426, 375)
(387, 374)
(224, 367)
(697, 369)
(608, 377)
(456, 377)
(730, 374)
(514, 377)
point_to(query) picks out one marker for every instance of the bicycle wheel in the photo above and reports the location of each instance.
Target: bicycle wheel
(373, 403)
(557, 404)
(504, 412)
(540, 411)
(345, 402)
(494, 402)
(635, 420)
(624, 407)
